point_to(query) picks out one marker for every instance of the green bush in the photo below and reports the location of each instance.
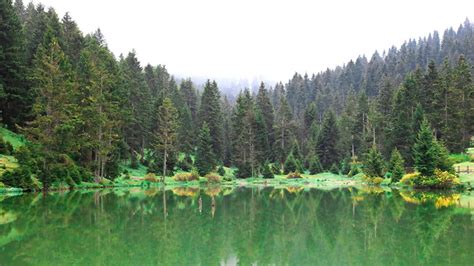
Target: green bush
(5, 147)
(19, 178)
(355, 169)
(186, 164)
(275, 168)
(396, 166)
(244, 170)
(346, 166)
(134, 162)
(373, 163)
(221, 171)
(267, 172)
(443, 161)
(334, 169)
(315, 166)
(292, 164)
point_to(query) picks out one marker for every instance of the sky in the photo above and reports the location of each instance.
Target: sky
(258, 38)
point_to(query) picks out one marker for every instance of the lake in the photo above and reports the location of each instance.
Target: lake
(245, 226)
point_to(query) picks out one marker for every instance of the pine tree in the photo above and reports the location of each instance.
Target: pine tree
(310, 115)
(334, 169)
(326, 146)
(186, 131)
(190, 98)
(430, 86)
(361, 125)
(283, 129)
(138, 106)
(20, 10)
(267, 172)
(205, 159)
(315, 165)
(396, 166)
(166, 135)
(100, 131)
(443, 162)
(151, 81)
(265, 112)
(55, 124)
(15, 98)
(374, 164)
(417, 120)
(210, 112)
(400, 128)
(245, 135)
(263, 150)
(424, 151)
(72, 39)
(292, 164)
(296, 151)
(463, 82)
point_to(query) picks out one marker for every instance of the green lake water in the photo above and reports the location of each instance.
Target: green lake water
(245, 226)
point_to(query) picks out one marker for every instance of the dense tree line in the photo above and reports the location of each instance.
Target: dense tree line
(84, 109)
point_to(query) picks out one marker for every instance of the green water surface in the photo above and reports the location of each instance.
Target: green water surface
(245, 226)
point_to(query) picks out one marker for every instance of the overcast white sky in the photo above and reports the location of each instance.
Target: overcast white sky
(247, 38)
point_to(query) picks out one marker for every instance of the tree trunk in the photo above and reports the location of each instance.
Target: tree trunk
(164, 166)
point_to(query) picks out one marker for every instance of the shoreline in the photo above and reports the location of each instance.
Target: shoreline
(340, 182)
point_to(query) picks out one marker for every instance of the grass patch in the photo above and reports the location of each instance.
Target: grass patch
(459, 157)
(141, 171)
(14, 139)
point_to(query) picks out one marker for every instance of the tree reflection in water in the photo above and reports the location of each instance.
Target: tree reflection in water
(215, 224)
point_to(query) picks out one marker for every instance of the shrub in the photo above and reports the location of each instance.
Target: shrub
(315, 166)
(443, 161)
(19, 178)
(134, 163)
(213, 178)
(440, 180)
(376, 180)
(355, 169)
(186, 164)
(275, 168)
(346, 166)
(425, 151)
(184, 177)
(228, 177)
(396, 166)
(126, 176)
(291, 164)
(294, 175)
(373, 164)
(267, 172)
(221, 171)
(5, 147)
(244, 171)
(334, 169)
(151, 177)
(409, 179)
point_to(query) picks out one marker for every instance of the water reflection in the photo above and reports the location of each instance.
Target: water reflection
(213, 225)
